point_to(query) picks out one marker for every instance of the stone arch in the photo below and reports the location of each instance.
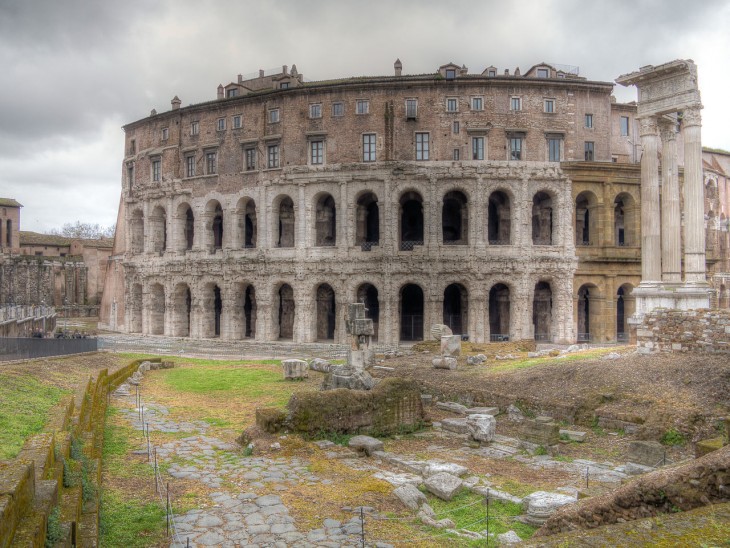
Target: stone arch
(499, 218)
(456, 308)
(411, 220)
(156, 309)
(284, 219)
(214, 225)
(500, 310)
(325, 224)
(249, 312)
(624, 220)
(368, 295)
(135, 308)
(588, 313)
(625, 307)
(542, 311)
(367, 219)
(586, 222)
(326, 316)
(411, 304)
(136, 231)
(284, 311)
(211, 310)
(455, 218)
(157, 224)
(182, 305)
(246, 222)
(185, 227)
(543, 224)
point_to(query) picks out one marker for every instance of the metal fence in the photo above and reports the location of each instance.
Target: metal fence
(28, 348)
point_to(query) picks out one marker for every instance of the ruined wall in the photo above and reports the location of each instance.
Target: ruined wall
(685, 331)
(27, 280)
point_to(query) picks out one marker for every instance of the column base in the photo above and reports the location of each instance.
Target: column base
(673, 295)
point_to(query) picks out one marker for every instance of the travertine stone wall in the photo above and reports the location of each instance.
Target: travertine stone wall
(685, 331)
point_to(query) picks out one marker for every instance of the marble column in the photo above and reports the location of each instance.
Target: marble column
(694, 225)
(671, 219)
(651, 259)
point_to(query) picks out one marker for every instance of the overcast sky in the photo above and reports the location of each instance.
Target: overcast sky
(74, 71)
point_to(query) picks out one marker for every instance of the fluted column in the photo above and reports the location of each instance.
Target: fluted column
(651, 259)
(671, 220)
(694, 226)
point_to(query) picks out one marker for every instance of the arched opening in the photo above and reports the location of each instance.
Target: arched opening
(285, 312)
(367, 217)
(542, 219)
(249, 312)
(499, 313)
(326, 314)
(455, 219)
(157, 310)
(246, 220)
(368, 295)
(182, 307)
(589, 314)
(499, 219)
(411, 313)
(585, 222)
(9, 233)
(624, 310)
(623, 220)
(136, 231)
(711, 231)
(158, 230)
(217, 311)
(542, 312)
(411, 221)
(326, 222)
(456, 308)
(285, 230)
(215, 213)
(186, 227)
(135, 309)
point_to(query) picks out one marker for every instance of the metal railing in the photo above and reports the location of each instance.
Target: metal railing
(411, 328)
(542, 337)
(584, 337)
(408, 245)
(29, 348)
(499, 242)
(500, 337)
(622, 337)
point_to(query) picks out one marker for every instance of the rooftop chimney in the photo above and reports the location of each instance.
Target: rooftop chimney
(220, 91)
(175, 102)
(240, 78)
(153, 112)
(398, 66)
(261, 73)
(284, 69)
(517, 71)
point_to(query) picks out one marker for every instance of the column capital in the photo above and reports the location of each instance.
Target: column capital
(692, 116)
(647, 126)
(668, 130)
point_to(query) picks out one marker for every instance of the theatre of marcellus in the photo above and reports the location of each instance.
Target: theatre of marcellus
(505, 205)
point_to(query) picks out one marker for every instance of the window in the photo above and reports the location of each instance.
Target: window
(231, 92)
(624, 124)
(543, 73)
(477, 103)
(422, 146)
(165, 133)
(452, 104)
(274, 116)
(456, 127)
(492, 72)
(411, 109)
(250, 159)
(515, 103)
(273, 156)
(190, 166)
(457, 154)
(477, 148)
(362, 106)
(589, 120)
(554, 149)
(211, 162)
(368, 147)
(315, 111)
(550, 106)
(194, 128)
(221, 125)
(338, 109)
(316, 152)
(156, 169)
(284, 85)
(132, 146)
(130, 175)
(589, 151)
(237, 122)
(450, 74)
(515, 148)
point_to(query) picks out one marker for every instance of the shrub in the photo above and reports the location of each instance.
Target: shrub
(270, 419)
(673, 437)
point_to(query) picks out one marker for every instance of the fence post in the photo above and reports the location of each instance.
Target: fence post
(167, 509)
(157, 483)
(587, 468)
(362, 526)
(487, 517)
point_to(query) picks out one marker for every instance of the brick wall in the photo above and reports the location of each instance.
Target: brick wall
(685, 331)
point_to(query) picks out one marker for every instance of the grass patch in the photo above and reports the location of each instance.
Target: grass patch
(253, 382)
(130, 523)
(214, 421)
(24, 406)
(673, 437)
(118, 441)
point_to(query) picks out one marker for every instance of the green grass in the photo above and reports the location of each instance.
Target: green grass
(198, 361)
(130, 523)
(512, 365)
(24, 406)
(118, 441)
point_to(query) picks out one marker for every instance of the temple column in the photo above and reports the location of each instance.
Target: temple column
(694, 233)
(651, 259)
(671, 219)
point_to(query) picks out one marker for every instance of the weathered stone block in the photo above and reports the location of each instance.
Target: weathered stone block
(295, 369)
(539, 506)
(451, 345)
(483, 411)
(458, 426)
(433, 468)
(707, 446)
(444, 363)
(452, 406)
(409, 495)
(481, 427)
(648, 453)
(365, 444)
(540, 433)
(573, 435)
(444, 485)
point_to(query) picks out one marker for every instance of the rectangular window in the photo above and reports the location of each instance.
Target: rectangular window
(422, 146)
(194, 128)
(211, 163)
(452, 104)
(624, 123)
(550, 106)
(156, 170)
(589, 120)
(231, 92)
(589, 151)
(221, 125)
(554, 150)
(133, 147)
(456, 127)
(250, 159)
(368, 147)
(284, 85)
(237, 122)
(411, 109)
(274, 116)
(477, 148)
(457, 154)
(477, 103)
(362, 106)
(273, 156)
(515, 148)
(315, 111)
(165, 133)
(515, 103)
(190, 166)
(450, 74)
(542, 73)
(492, 72)
(338, 109)
(130, 176)
(316, 156)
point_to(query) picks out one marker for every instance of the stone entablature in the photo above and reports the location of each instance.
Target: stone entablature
(701, 331)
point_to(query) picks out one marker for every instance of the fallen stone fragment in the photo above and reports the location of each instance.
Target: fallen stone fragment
(540, 505)
(444, 485)
(510, 537)
(295, 369)
(410, 496)
(648, 453)
(452, 406)
(476, 360)
(483, 411)
(514, 414)
(433, 468)
(365, 444)
(457, 426)
(573, 435)
(481, 427)
(444, 363)
(451, 345)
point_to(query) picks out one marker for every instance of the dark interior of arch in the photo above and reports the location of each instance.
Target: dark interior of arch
(368, 295)
(286, 223)
(249, 225)
(454, 218)
(286, 312)
(189, 228)
(218, 309)
(249, 311)
(411, 318)
(368, 220)
(455, 308)
(542, 310)
(542, 219)
(326, 222)
(218, 227)
(499, 313)
(412, 219)
(499, 218)
(325, 312)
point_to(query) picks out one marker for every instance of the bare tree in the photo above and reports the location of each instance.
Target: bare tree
(86, 231)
